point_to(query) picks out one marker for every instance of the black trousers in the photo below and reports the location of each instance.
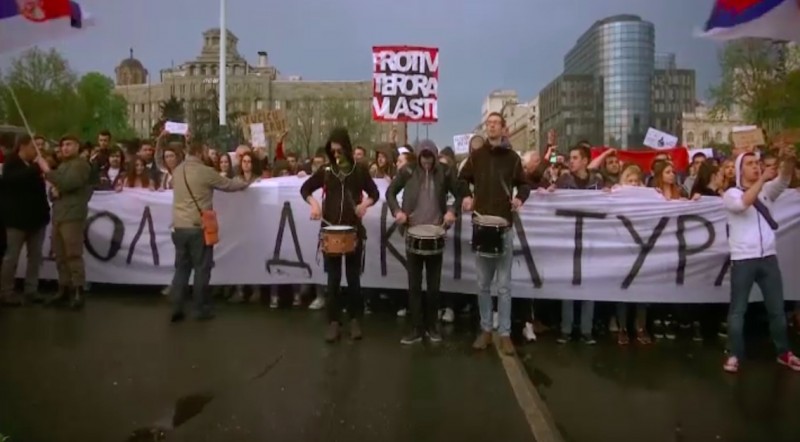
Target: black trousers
(352, 299)
(424, 312)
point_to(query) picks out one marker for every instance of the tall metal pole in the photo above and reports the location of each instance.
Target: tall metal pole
(223, 68)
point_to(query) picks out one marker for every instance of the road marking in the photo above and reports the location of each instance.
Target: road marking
(536, 412)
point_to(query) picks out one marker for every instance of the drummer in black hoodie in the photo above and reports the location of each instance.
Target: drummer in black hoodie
(495, 170)
(343, 185)
(425, 186)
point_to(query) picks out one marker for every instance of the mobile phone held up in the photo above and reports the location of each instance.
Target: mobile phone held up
(553, 158)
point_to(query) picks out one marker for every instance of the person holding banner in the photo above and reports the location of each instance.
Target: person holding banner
(344, 183)
(752, 241)
(494, 170)
(425, 186)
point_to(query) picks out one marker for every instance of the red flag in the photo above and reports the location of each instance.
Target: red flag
(43, 10)
(644, 158)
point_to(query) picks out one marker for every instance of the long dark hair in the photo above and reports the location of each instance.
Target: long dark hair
(131, 175)
(705, 174)
(255, 172)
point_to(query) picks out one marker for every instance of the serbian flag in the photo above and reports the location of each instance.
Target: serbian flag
(644, 158)
(26, 23)
(773, 19)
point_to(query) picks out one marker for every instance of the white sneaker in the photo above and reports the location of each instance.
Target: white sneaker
(731, 364)
(528, 332)
(402, 313)
(165, 291)
(448, 316)
(273, 301)
(495, 321)
(297, 301)
(317, 304)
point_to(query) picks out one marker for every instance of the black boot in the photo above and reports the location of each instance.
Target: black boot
(60, 298)
(77, 299)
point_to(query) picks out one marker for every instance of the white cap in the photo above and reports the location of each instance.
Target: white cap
(402, 150)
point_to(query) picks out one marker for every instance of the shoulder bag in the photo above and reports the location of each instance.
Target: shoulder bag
(208, 218)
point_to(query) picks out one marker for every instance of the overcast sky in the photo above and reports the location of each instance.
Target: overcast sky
(484, 45)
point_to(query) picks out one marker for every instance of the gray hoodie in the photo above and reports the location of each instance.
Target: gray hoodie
(413, 179)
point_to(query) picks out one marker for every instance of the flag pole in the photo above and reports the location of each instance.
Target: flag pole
(223, 71)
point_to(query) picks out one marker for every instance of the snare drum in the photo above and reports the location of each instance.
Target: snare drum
(488, 236)
(338, 240)
(425, 239)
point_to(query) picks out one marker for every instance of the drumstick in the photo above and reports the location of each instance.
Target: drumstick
(325, 221)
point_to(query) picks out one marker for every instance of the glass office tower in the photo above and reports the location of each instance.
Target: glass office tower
(619, 52)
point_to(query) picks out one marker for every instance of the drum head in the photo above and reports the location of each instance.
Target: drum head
(337, 229)
(426, 231)
(489, 220)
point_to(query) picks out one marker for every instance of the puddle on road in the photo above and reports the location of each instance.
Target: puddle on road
(185, 409)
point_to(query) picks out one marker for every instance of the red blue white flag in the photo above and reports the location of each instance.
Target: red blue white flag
(773, 19)
(24, 23)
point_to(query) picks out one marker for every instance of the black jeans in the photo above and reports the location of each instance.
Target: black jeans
(352, 299)
(192, 254)
(424, 312)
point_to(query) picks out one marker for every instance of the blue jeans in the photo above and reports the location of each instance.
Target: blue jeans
(192, 254)
(568, 317)
(486, 269)
(766, 273)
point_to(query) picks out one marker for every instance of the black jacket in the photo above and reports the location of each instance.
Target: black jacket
(410, 178)
(25, 204)
(495, 171)
(342, 191)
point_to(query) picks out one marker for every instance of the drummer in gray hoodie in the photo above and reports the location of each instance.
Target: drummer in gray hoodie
(426, 186)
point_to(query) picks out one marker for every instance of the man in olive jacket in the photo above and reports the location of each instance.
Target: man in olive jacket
(70, 192)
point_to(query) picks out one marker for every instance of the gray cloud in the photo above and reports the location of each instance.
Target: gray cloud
(516, 44)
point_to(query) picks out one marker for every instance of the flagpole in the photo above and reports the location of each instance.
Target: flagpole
(223, 71)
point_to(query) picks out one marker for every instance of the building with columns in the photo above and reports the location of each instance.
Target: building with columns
(702, 128)
(249, 88)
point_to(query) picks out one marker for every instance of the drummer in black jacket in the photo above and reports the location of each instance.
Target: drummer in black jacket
(495, 170)
(426, 186)
(343, 184)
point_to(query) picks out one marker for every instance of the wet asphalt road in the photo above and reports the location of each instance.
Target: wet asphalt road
(249, 375)
(672, 392)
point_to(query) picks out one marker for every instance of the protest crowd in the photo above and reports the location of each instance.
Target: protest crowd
(47, 183)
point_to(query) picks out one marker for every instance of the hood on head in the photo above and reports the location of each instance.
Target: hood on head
(426, 147)
(476, 136)
(738, 166)
(340, 136)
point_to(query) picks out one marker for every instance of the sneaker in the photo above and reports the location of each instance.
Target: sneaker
(165, 291)
(723, 330)
(433, 335)
(448, 316)
(622, 337)
(482, 341)
(402, 313)
(642, 337)
(670, 330)
(697, 332)
(789, 360)
(412, 338)
(564, 338)
(613, 325)
(273, 301)
(507, 346)
(355, 330)
(495, 320)
(528, 332)
(317, 304)
(658, 329)
(297, 301)
(588, 340)
(333, 333)
(731, 364)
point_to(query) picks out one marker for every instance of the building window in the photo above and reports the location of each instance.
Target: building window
(259, 104)
(277, 105)
(706, 136)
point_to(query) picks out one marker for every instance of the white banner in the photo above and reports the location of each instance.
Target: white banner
(621, 246)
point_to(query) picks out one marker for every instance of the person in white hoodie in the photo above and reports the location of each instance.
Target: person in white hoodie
(753, 252)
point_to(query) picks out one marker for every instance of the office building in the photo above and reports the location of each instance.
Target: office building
(614, 87)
